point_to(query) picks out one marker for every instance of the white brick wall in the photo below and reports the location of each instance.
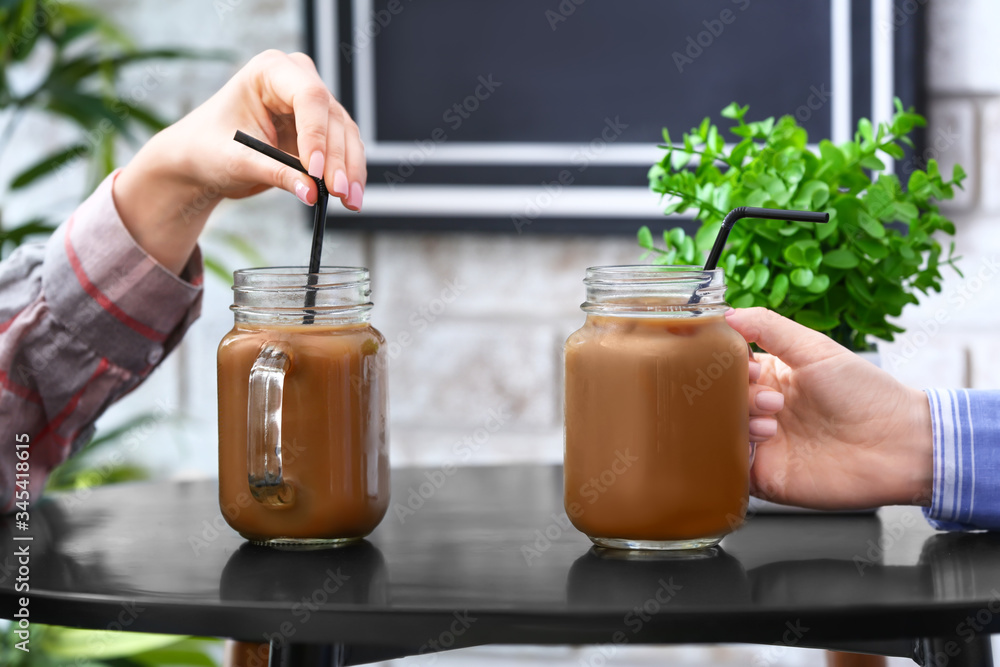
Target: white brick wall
(952, 337)
(497, 344)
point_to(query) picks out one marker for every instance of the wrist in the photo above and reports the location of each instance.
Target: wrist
(917, 464)
(161, 205)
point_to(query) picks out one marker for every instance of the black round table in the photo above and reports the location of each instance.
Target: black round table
(474, 556)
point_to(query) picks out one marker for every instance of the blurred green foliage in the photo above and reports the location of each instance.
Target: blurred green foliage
(74, 58)
(77, 58)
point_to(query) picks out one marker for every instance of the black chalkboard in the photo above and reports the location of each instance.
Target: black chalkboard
(563, 71)
(474, 100)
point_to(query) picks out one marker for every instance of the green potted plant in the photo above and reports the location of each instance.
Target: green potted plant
(846, 278)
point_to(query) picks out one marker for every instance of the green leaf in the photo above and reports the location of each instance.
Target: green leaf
(795, 255)
(732, 110)
(705, 238)
(918, 184)
(819, 284)
(761, 276)
(814, 256)
(744, 300)
(880, 200)
(17, 235)
(757, 198)
(865, 130)
(49, 164)
(933, 170)
(826, 230)
(779, 289)
(804, 253)
(676, 236)
(858, 288)
(216, 268)
(872, 248)
(686, 250)
(870, 225)
(740, 152)
(101, 644)
(190, 657)
(802, 277)
(142, 116)
(778, 191)
(812, 195)
(816, 320)
(679, 159)
(645, 238)
(893, 150)
(842, 258)
(872, 162)
(907, 211)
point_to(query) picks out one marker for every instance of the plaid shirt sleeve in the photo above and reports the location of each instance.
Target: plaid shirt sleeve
(84, 318)
(966, 426)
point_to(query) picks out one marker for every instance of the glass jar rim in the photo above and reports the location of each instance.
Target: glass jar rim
(652, 274)
(269, 278)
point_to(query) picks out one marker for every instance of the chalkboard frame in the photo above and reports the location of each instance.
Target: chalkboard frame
(330, 38)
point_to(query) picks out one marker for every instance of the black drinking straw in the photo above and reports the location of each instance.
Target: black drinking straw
(751, 212)
(761, 213)
(319, 213)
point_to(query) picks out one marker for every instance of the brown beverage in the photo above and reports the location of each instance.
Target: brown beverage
(332, 427)
(303, 455)
(657, 442)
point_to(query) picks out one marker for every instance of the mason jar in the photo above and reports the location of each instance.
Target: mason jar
(303, 454)
(657, 451)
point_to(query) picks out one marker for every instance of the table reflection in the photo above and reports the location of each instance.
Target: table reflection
(352, 574)
(647, 580)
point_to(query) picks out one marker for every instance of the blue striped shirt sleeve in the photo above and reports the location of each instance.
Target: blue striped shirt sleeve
(966, 426)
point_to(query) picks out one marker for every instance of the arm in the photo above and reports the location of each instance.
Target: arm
(966, 431)
(86, 318)
(83, 320)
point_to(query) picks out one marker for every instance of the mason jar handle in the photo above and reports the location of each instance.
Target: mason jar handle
(264, 465)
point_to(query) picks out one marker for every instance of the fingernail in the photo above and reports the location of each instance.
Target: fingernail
(316, 164)
(340, 186)
(755, 368)
(770, 401)
(354, 199)
(763, 428)
(302, 192)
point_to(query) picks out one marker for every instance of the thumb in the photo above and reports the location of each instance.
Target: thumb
(794, 344)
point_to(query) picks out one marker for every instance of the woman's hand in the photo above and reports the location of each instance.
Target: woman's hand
(848, 436)
(167, 191)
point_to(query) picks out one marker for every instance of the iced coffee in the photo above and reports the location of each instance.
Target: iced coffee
(303, 457)
(657, 451)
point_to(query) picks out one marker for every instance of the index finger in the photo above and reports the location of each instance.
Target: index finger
(793, 343)
(285, 87)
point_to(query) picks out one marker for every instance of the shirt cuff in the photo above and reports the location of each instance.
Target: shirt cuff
(966, 434)
(107, 291)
